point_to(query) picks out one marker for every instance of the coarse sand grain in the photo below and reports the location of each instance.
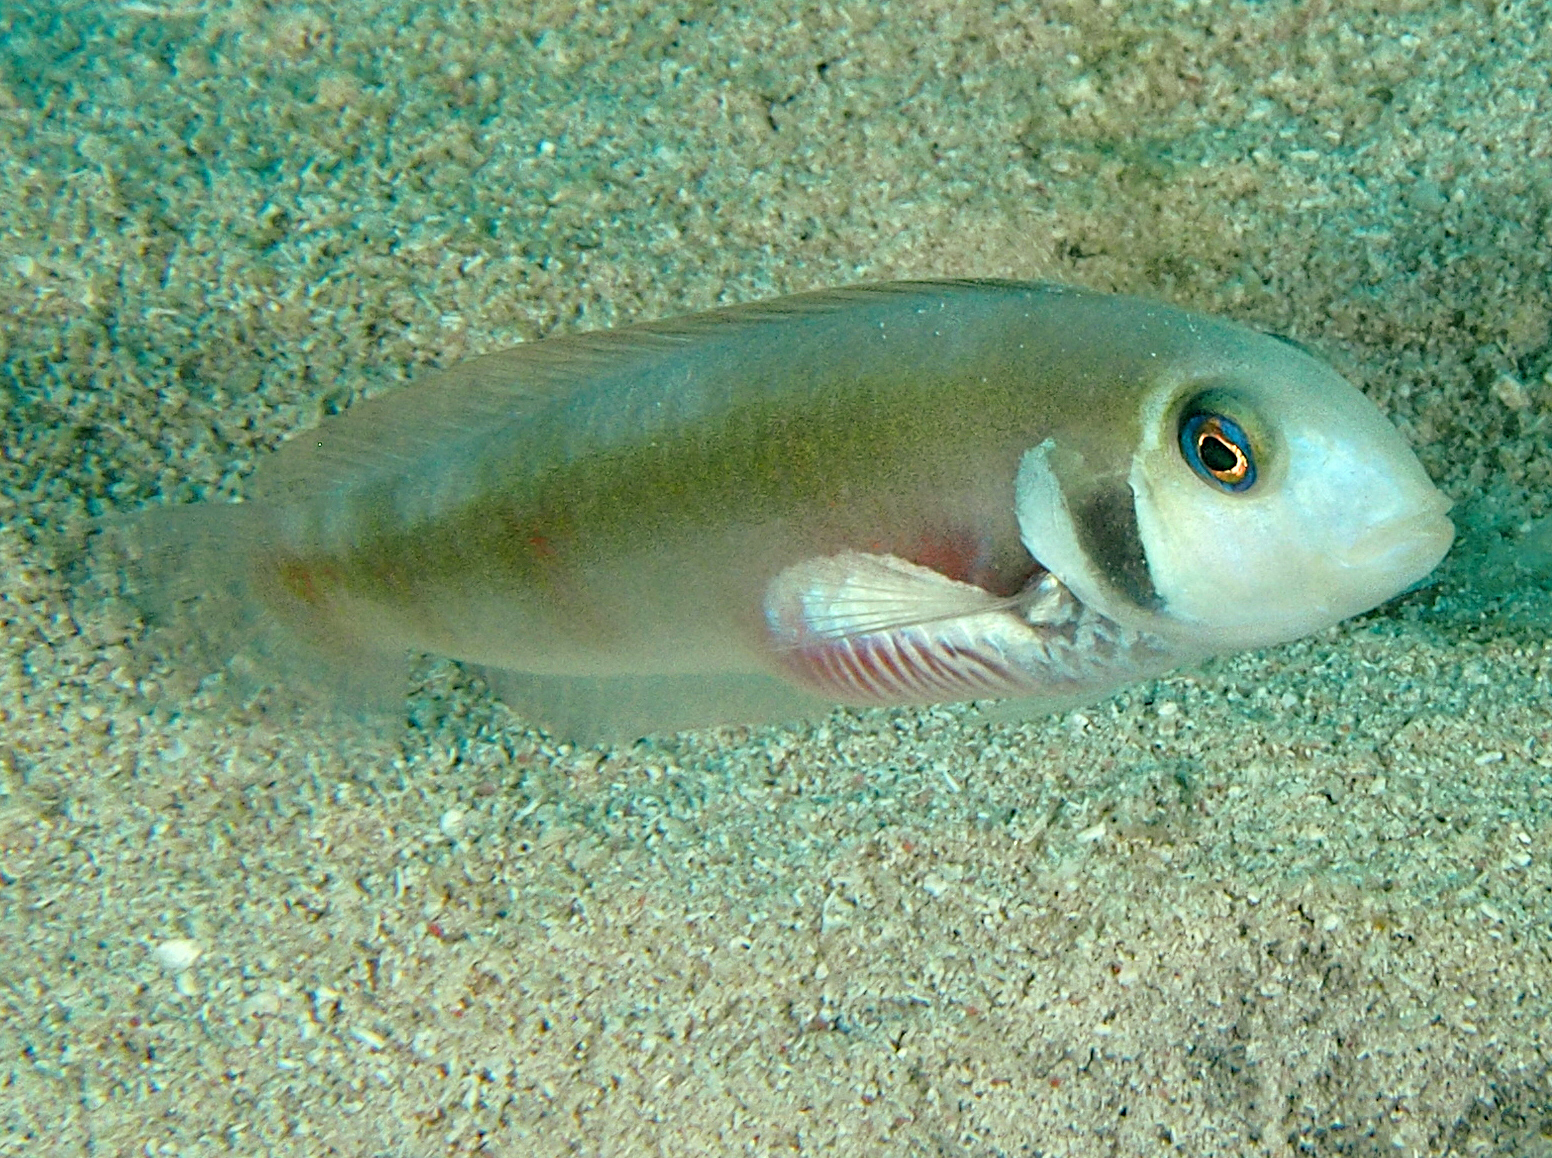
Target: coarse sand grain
(1288, 903)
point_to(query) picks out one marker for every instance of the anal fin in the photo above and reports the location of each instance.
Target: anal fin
(622, 709)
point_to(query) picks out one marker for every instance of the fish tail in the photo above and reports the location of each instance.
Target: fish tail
(204, 583)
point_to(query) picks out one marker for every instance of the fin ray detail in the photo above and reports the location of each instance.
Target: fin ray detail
(877, 630)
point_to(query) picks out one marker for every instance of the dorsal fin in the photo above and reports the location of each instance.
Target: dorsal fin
(604, 386)
(464, 403)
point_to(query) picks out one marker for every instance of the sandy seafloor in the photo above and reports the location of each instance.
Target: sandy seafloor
(1291, 903)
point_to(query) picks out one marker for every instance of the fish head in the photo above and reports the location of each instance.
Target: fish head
(1266, 498)
(1275, 500)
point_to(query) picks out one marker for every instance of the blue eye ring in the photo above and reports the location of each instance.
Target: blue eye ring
(1219, 451)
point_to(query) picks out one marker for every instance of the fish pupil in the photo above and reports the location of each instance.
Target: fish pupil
(1217, 456)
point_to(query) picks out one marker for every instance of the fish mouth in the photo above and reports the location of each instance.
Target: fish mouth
(1412, 546)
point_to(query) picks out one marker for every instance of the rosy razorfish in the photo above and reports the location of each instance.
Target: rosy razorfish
(897, 494)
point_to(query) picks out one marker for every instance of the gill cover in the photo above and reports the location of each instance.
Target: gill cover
(1077, 518)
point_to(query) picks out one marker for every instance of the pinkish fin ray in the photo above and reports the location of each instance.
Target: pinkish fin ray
(874, 629)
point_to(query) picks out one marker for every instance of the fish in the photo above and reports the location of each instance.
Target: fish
(905, 493)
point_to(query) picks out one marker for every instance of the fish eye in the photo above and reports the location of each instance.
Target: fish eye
(1219, 451)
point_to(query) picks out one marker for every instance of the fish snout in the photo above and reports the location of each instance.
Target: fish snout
(1407, 544)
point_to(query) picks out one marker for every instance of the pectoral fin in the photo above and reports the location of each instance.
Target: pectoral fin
(851, 594)
(874, 629)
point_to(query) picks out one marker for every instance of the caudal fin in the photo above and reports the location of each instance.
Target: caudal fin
(202, 581)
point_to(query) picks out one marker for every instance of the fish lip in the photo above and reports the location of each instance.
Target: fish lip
(1425, 535)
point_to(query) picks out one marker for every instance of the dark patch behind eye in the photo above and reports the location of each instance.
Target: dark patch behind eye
(1106, 523)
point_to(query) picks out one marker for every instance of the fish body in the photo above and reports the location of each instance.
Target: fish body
(906, 493)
